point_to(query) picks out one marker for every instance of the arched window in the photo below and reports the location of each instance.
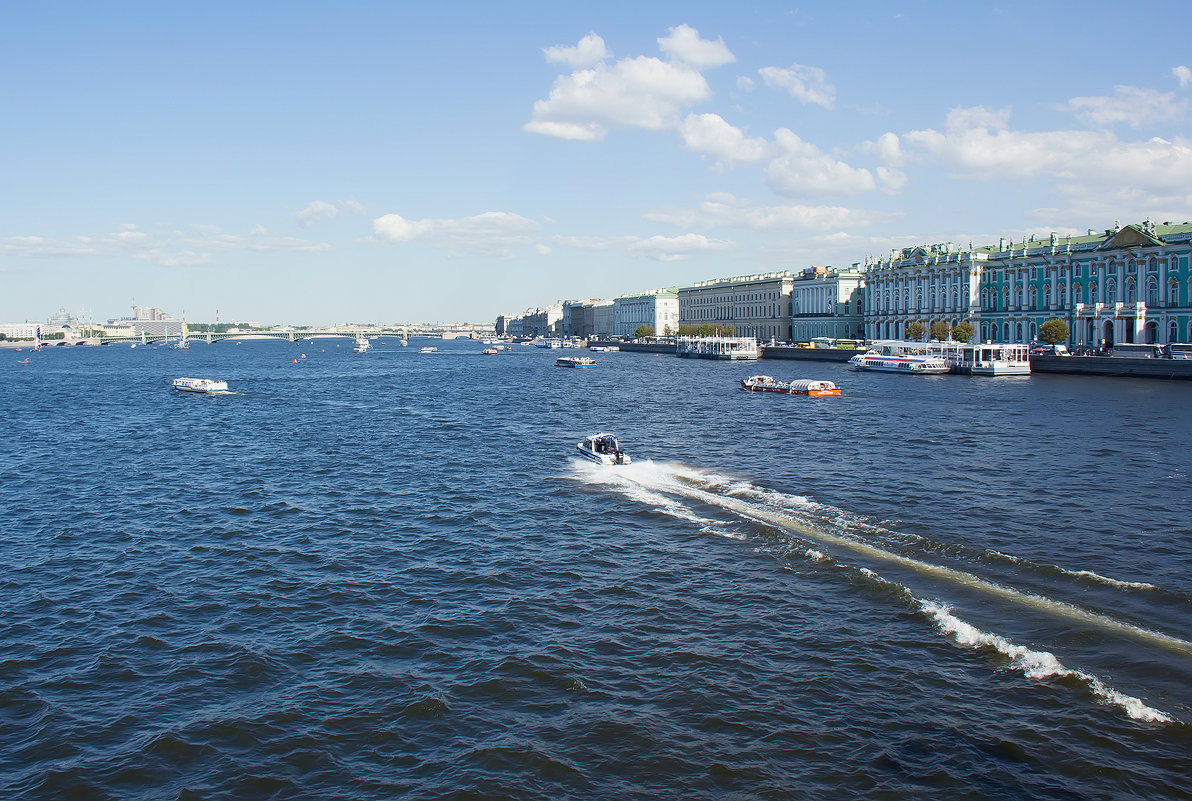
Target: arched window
(1034, 331)
(1173, 293)
(1174, 333)
(1152, 290)
(1076, 296)
(1005, 332)
(1061, 296)
(1018, 332)
(1047, 294)
(1111, 291)
(1034, 293)
(1093, 292)
(1131, 296)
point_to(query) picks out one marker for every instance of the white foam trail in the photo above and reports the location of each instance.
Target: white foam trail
(1036, 664)
(1130, 585)
(662, 478)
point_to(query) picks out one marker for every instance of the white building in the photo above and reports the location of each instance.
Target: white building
(756, 306)
(657, 308)
(826, 302)
(19, 330)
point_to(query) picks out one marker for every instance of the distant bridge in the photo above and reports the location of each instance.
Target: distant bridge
(401, 332)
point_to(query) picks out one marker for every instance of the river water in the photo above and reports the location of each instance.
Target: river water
(388, 576)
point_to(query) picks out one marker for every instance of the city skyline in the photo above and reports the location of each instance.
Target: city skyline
(310, 163)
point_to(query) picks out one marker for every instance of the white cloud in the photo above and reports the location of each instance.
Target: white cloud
(642, 92)
(543, 250)
(805, 84)
(745, 83)
(1129, 104)
(318, 211)
(982, 146)
(1183, 75)
(888, 148)
(494, 233)
(589, 51)
(710, 135)
(683, 44)
(352, 206)
(723, 210)
(804, 169)
(676, 248)
(179, 248)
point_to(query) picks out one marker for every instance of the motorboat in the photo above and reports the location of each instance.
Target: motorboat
(803, 386)
(428, 349)
(362, 344)
(575, 361)
(206, 385)
(603, 449)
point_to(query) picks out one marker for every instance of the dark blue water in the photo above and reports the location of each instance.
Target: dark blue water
(386, 576)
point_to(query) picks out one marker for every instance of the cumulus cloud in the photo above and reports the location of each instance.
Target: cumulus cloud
(710, 135)
(980, 144)
(683, 44)
(1129, 104)
(1183, 75)
(888, 148)
(804, 169)
(723, 210)
(318, 211)
(805, 84)
(642, 92)
(494, 233)
(589, 51)
(676, 248)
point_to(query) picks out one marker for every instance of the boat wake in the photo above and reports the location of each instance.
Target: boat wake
(829, 536)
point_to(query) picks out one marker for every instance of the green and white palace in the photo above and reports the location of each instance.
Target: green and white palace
(1125, 284)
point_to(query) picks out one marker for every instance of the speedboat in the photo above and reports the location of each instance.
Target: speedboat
(207, 385)
(489, 351)
(802, 386)
(603, 449)
(428, 349)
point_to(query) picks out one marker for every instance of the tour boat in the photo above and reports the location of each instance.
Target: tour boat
(489, 351)
(362, 344)
(428, 349)
(603, 449)
(575, 361)
(804, 386)
(200, 385)
(604, 348)
(894, 356)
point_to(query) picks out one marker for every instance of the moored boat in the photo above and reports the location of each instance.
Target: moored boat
(575, 361)
(603, 449)
(207, 385)
(894, 356)
(803, 386)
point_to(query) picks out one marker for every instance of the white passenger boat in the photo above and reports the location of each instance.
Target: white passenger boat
(575, 361)
(802, 386)
(603, 449)
(207, 385)
(428, 349)
(362, 344)
(896, 356)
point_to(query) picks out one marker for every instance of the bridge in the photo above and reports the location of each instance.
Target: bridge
(294, 335)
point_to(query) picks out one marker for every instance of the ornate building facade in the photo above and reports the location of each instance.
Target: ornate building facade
(755, 305)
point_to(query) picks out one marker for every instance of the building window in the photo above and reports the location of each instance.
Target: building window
(1152, 291)
(1130, 293)
(1173, 336)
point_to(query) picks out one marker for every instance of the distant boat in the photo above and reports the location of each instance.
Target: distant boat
(428, 349)
(362, 344)
(603, 449)
(22, 361)
(207, 385)
(575, 361)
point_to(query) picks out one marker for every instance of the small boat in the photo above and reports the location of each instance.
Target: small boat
(362, 344)
(22, 361)
(207, 385)
(489, 351)
(428, 349)
(802, 386)
(603, 449)
(604, 348)
(899, 363)
(575, 361)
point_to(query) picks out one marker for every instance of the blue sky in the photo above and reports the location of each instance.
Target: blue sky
(394, 162)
